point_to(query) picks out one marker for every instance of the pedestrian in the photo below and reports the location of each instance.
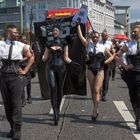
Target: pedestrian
(56, 54)
(114, 49)
(23, 64)
(108, 44)
(95, 66)
(11, 52)
(132, 68)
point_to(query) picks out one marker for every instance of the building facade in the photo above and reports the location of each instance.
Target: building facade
(119, 28)
(101, 15)
(39, 7)
(9, 13)
(100, 12)
(122, 15)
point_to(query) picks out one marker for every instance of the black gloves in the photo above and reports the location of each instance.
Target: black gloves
(75, 68)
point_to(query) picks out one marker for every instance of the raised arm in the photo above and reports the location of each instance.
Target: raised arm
(82, 38)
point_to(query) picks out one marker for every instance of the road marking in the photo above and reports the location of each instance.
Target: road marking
(0, 105)
(61, 105)
(127, 117)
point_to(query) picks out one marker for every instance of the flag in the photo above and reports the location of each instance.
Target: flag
(81, 15)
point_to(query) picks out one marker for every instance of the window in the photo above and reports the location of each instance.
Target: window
(34, 6)
(41, 6)
(34, 16)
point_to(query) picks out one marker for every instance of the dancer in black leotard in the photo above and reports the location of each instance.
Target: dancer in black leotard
(56, 53)
(95, 66)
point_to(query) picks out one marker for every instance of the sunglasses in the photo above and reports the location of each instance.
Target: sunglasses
(95, 36)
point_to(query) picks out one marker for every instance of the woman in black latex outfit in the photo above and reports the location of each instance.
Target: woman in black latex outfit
(56, 54)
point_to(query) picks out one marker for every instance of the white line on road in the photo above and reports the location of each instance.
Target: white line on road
(127, 117)
(61, 105)
(0, 105)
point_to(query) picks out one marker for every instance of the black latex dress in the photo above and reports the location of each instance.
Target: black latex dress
(56, 73)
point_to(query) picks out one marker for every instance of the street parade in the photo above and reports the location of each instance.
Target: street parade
(69, 70)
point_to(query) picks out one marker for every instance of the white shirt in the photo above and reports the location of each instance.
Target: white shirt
(99, 48)
(16, 52)
(132, 48)
(107, 44)
(123, 57)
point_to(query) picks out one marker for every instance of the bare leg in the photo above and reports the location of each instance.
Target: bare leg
(95, 85)
(97, 88)
(91, 79)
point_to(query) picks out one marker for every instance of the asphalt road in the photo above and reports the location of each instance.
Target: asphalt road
(115, 121)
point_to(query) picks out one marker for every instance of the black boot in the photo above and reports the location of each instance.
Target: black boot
(138, 125)
(10, 134)
(138, 119)
(134, 109)
(17, 133)
(29, 93)
(29, 100)
(103, 98)
(23, 102)
(56, 117)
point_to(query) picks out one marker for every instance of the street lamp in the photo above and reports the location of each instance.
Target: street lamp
(31, 22)
(21, 17)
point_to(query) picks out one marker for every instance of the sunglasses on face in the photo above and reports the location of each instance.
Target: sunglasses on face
(95, 36)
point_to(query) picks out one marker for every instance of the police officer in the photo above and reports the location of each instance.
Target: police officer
(11, 51)
(108, 44)
(132, 67)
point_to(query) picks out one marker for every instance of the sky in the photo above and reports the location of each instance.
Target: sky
(134, 9)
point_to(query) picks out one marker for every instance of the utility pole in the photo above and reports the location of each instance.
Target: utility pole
(21, 17)
(31, 22)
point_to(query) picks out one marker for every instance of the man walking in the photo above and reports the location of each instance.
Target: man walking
(11, 51)
(107, 67)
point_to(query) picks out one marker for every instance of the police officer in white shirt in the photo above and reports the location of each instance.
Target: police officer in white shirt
(132, 50)
(107, 67)
(11, 51)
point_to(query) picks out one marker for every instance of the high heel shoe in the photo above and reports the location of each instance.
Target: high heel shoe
(94, 118)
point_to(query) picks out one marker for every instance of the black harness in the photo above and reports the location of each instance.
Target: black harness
(96, 61)
(10, 66)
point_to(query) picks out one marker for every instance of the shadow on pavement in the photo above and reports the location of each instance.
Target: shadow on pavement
(83, 119)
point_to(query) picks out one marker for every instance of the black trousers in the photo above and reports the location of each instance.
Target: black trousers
(133, 83)
(56, 78)
(106, 79)
(28, 87)
(11, 90)
(113, 69)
